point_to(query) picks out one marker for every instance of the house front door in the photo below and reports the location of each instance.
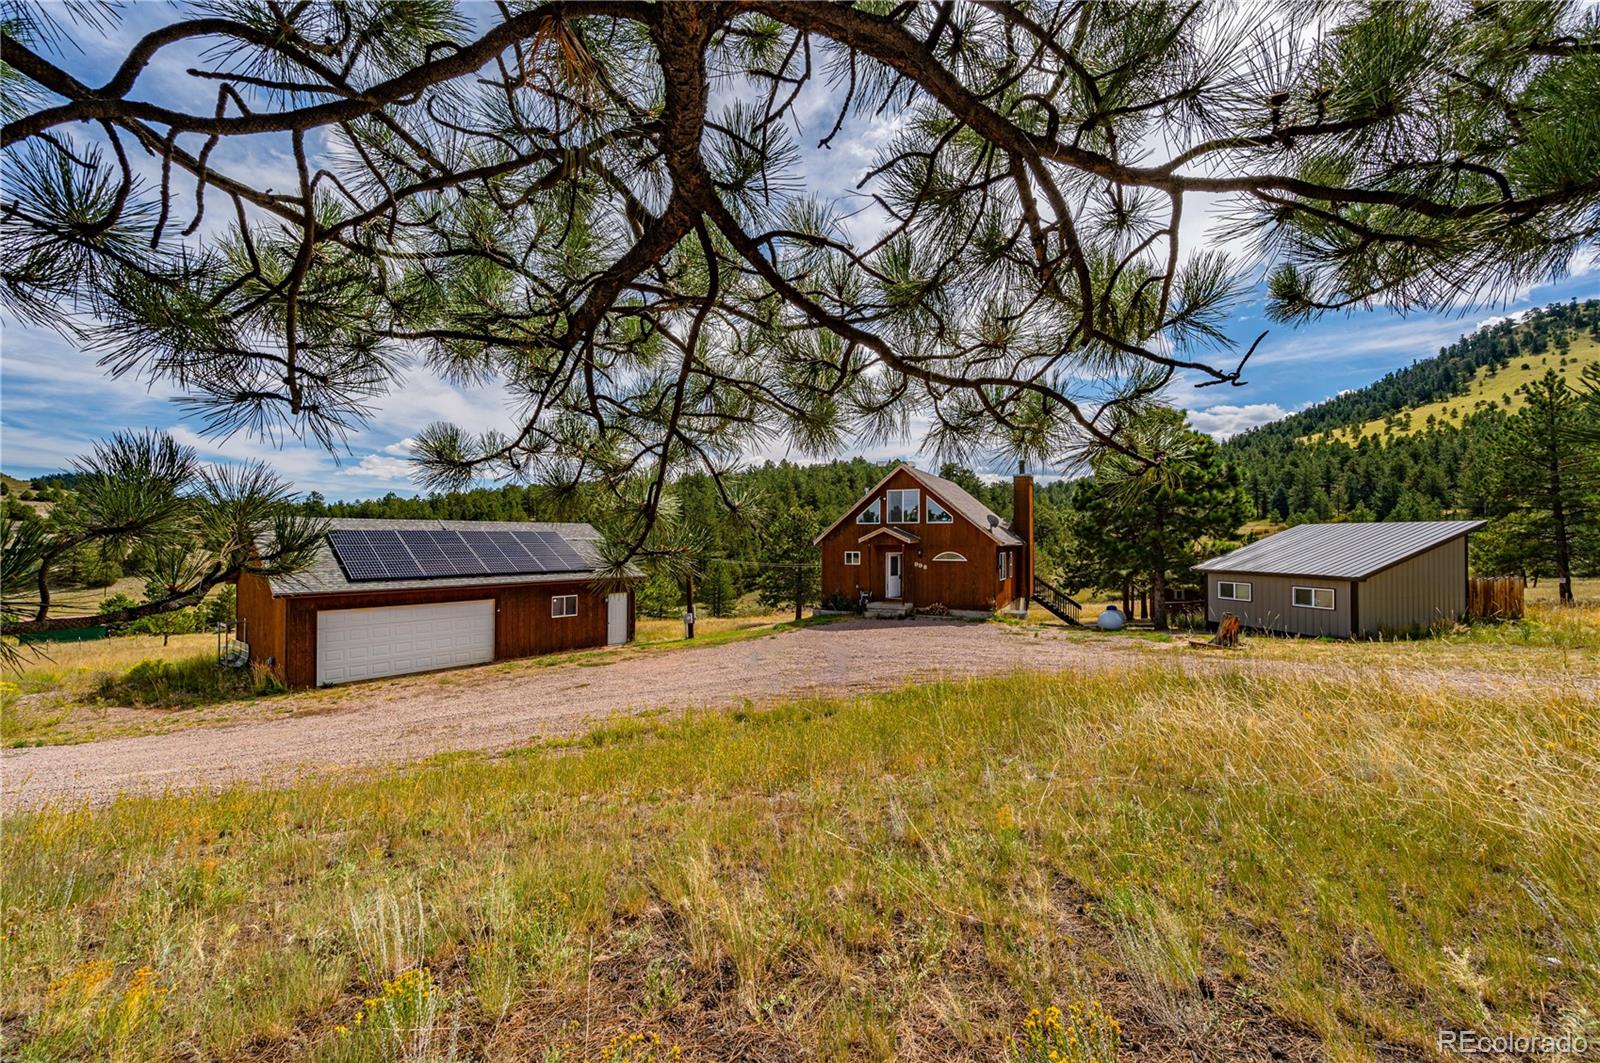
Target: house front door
(891, 577)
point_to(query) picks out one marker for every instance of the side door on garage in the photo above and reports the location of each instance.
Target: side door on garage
(355, 644)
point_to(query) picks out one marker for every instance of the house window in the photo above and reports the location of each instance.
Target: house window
(873, 514)
(1236, 592)
(1313, 597)
(905, 506)
(948, 555)
(937, 514)
(564, 605)
(1004, 565)
(852, 557)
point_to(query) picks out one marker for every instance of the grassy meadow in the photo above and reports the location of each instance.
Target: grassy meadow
(1330, 866)
(1494, 390)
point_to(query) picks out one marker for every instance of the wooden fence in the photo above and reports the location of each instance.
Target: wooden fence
(1499, 597)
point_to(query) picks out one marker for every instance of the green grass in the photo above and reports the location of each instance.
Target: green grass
(1225, 861)
(1485, 390)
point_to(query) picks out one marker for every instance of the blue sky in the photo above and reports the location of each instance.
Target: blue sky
(54, 401)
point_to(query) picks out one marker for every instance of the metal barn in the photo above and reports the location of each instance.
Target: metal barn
(1344, 580)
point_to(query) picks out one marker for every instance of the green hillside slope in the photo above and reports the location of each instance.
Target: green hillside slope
(1413, 445)
(1478, 371)
(1492, 387)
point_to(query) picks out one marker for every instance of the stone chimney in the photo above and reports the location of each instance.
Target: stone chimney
(1022, 524)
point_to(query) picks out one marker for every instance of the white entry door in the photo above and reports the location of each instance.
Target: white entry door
(891, 575)
(393, 640)
(616, 619)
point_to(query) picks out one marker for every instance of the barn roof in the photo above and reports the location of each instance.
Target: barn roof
(326, 577)
(1339, 551)
(954, 497)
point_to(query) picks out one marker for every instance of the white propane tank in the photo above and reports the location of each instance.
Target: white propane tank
(1111, 619)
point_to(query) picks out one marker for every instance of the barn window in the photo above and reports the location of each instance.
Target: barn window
(1235, 592)
(937, 514)
(905, 506)
(948, 555)
(564, 605)
(1313, 597)
(852, 557)
(873, 514)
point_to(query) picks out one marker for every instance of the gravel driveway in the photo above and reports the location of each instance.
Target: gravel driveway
(392, 721)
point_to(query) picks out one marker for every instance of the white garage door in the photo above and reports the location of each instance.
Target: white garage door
(366, 643)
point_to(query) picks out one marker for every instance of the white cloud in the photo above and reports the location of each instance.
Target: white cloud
(1498, 318)
(401, 449)
(378, 467)
(1224, 420)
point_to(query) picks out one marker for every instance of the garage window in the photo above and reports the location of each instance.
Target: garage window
(1235, 592)
(1313, 597)
(564, 605)
(852, 557)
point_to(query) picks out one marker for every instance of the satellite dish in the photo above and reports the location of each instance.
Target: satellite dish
(994, 521)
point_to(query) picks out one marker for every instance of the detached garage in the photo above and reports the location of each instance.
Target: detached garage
(391, 597)
(1344, 580)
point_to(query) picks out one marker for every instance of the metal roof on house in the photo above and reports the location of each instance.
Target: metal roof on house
(952, 496)
(1339, 551)
(326, 577)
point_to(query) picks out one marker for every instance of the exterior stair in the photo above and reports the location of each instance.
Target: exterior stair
(879, 610)
(1056, 601)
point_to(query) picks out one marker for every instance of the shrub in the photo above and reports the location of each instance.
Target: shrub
(116, 602)
(188, 681)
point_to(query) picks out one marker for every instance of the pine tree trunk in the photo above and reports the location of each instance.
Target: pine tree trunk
(688, 594)
(1558, 521)
(1158, 600)
(1558, 517)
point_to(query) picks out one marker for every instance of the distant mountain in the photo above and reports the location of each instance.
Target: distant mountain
(1478, 372)
(1412, 445)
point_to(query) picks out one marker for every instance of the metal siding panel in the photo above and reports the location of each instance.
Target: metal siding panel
(1416, 593)
(1271, 606)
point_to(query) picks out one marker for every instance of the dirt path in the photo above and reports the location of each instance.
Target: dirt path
(491, 708)
(393, 721)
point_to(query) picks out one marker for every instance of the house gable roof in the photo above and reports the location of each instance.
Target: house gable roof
(1339, 551)
(326, 577)
(950, 495)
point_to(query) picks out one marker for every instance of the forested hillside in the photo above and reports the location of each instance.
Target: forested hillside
(1304, 468)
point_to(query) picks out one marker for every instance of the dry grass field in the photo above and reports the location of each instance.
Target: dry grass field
(1240, 864)
(1497, 390)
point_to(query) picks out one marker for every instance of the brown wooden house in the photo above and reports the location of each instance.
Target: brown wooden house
(344, 619)
(917, 541)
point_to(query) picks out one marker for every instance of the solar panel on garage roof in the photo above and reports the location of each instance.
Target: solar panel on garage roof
(372, 554)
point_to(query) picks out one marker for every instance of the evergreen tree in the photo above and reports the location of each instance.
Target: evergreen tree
(605, 211)
(790, 573)
(717, 590)
(1148, 517)
(1548, 468)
